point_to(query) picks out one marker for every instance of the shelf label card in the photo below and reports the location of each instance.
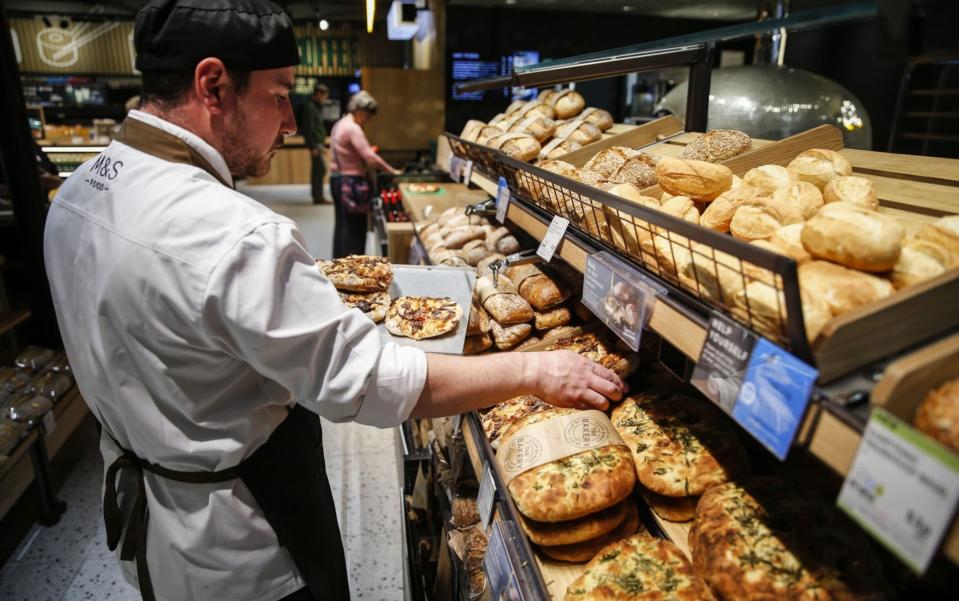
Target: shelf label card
(902, 488)
(49, 422)
(496, 562)
(502, 200)
(554, 235)
(486, 496)
(619, 296)
(457, 423)
(763, 387)
(467, 172)
(456, 167)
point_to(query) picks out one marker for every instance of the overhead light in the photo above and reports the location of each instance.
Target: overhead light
(370, 11)
(511, 2)
(324, 24)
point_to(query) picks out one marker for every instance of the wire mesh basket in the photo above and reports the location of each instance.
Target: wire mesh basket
(485, 159)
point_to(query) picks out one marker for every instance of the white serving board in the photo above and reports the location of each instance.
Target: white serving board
(432, 280)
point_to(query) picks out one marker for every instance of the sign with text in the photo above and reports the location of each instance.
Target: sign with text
(619, 296)
(554, 235)
(902, 488)
(502, 200)
(486, 496)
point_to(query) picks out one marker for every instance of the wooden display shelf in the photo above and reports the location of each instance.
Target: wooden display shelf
(11, 319)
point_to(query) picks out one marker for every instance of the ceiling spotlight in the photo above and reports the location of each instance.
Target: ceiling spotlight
(511, 2)
(627, 8)
(370, 10)
(324, 24)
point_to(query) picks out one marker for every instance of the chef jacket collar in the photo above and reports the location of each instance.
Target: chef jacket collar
(196, 142)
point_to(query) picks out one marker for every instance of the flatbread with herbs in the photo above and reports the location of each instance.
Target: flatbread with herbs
(373, 304)
(358, 273)
(420, 317)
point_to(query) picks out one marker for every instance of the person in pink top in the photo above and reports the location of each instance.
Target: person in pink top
(349, 183)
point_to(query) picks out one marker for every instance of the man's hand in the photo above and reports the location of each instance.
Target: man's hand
(566, 379)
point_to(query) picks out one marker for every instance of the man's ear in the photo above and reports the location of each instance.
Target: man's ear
(210, 81)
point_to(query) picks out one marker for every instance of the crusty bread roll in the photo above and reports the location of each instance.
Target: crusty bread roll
(788, 239)
(769, 178)
(627, 231)
(913, 267)
(819, 166)
(522, 147)
(639, 170)
(682, 207)
(502, 301)
(508, 336)
(853, 236)
(696, 179)
(802, 195)
(547, 95)
(559, 167)
(471, 130)
(476, 344)
(843, 289)
(607, 161)
(473, 252)
(720, 280)
(478, 322)
(937, 417)
(929, 248)
(450, 214)
(544, 193)
(717, 145)
(536, 107)
(591, 178)
(558, 147)
(499, 118)
(568, 103)
(719, 213)
(514, 106)
(758, 218)
(551, 318)
(459, 236)
(538, 126)
(541, 291)
(944, 232)
(598, 117)
(854, 190)
(579, 130)
(487, 133)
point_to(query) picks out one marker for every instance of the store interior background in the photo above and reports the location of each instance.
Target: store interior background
(413, 80)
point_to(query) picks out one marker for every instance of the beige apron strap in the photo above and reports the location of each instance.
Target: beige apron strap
(154, 141)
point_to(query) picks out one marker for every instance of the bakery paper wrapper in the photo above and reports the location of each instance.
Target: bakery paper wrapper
(555, 439)
(520, 273)
(486, 290)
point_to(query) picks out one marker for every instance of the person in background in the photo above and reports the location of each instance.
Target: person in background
(314, 131)
(349, 184)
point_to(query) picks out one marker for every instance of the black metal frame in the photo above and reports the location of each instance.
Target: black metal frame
(698, 57)
(651, 240)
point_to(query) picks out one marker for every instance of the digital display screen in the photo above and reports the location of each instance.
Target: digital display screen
(468, 66)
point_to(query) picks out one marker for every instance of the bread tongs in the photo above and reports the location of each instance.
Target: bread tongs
(486, 208)
(523, 257)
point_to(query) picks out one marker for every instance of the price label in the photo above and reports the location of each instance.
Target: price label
(502, 200)
(457, 423)
(456, 168)
(49, 422)
(467, 172)
(763, 387)
(902, 488)
(496, 562)
(486, 496)
(619, 296)
(554, 235)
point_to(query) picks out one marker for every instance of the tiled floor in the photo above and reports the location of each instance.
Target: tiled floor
(70, 561)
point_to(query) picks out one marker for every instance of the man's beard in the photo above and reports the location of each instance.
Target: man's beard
(240, 157)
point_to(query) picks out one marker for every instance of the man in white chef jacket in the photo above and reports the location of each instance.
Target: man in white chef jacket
(205, 340)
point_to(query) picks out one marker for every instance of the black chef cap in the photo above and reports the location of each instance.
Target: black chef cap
(248, 35)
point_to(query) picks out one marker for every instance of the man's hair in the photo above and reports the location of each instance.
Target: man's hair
(169, 88)
(321, 88)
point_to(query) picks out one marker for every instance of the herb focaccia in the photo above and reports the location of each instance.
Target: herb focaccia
(373, 304)
(584, 551)
(589, 527)
(681, 445)
(420, 317)
(358, 273)
(574, 486)
(764, 539)
(639, 568)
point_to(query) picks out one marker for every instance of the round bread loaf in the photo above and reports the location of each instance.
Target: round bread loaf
(557, 147)
(759, 218)
(913, 267)
(487, 133)
(607, 161)
(573, 487)
(944, 232)
(719, 213)
(854, 190)
(471, 130)
(536, 107)
(568, 103)
(938, 414)
(539, 127)
(769, 178)
(696, 179)
(547, 96)
(717, 145)
(819, 166)
(855, 237)
(522, 147)
(639, 170)
(598, 117)
(579, 131)
(802, 195)
(843, 289)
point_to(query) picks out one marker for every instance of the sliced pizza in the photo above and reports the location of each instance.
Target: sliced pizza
(358, 273)
(420, 317)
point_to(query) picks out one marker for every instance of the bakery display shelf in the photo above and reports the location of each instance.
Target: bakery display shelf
(11, 319)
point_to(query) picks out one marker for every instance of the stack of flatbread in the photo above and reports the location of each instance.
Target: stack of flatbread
(681, 447)
(459, 240)
(573, 507)
(594, 347)
(362, 281)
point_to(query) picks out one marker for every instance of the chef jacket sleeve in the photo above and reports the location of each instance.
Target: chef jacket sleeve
(268, 304)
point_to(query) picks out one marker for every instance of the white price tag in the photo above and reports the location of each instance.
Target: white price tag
(456, 168)
(502, 200)
(554, 235)
(902, 488)
(467, 172)
(485, 497)
(49, 422)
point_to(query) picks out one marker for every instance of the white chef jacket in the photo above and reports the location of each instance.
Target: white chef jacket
(193, 317)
